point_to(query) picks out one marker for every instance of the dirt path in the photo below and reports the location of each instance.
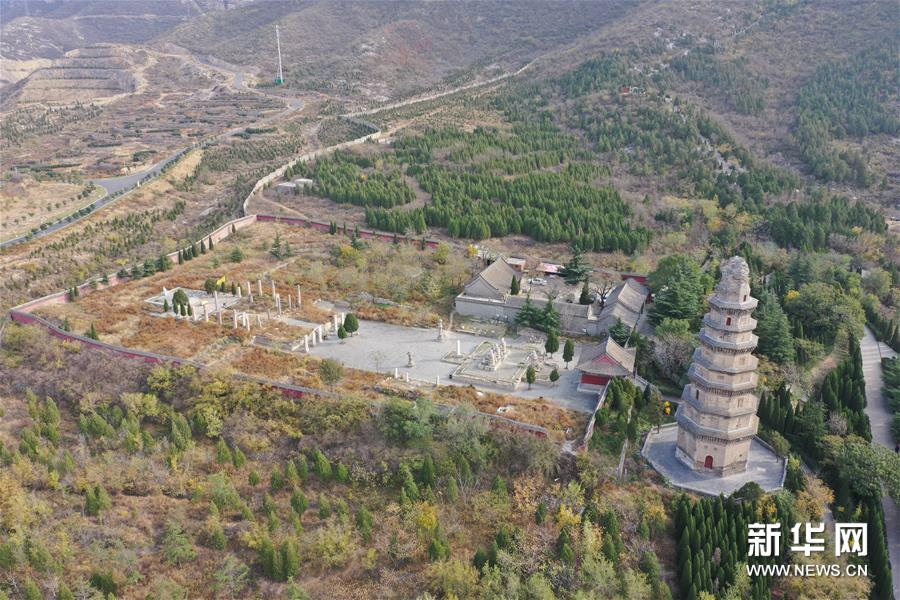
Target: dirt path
(880, 417)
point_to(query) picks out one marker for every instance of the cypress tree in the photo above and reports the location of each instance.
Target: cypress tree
(568, 352)
(585, 297)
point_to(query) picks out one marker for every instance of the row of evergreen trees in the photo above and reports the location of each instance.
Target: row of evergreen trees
(341, 179)
(805, 425)
(886, 330)
(712, 545)
(807, 225)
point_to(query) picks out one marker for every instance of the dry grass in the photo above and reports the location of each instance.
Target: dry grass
(25, 203)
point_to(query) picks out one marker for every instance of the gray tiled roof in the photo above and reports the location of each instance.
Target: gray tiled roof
(607, 358)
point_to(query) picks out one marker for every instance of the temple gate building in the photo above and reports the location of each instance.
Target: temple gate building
(717, 416)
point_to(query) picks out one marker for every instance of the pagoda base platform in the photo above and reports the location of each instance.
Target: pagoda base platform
(763, 466)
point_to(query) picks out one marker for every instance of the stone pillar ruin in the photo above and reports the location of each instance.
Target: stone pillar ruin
(299, 297)
(216, 299)
(306, 344)
(273, 288)
(717, 416)
(259, 286)
(234, 313)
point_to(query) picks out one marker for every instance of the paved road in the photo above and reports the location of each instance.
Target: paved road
(119, 187)
(880, 418)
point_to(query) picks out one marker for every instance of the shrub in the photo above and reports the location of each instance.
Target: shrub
(223, 453)
(365, 521)
(177, 546)
(299, 502)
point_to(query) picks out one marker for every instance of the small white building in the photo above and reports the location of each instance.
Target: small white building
(303, 182)
(286, 188)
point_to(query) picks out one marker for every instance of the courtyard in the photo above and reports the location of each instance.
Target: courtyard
(386, 348)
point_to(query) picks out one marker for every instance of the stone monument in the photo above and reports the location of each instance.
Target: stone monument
(717, 416)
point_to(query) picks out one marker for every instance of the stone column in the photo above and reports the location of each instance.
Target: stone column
(336, 324)
(219, 318)
(306, 344)
(205, 313)
(321, 333)
(407, 376)
(299, 297)
(278, 304)
(249, 291)
(259, 285)
(234, 312)
(396, 373)
(313, 338)
(458, 348)
(250, 297)
(268, 314)
(239, 292)
(437, 380)
(290, 302)
(216, 299)
(273, 288)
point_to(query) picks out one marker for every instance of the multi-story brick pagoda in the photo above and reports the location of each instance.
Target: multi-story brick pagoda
(717, 416)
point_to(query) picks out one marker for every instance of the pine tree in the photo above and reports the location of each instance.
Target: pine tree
(577, 269)
(552, 343)
(620, 332)
(290, 560)
(528, 315)
(530, 376)
(568, 352)
(549, 318)
(774, 330)
(514, 287)
(267, 558)
(427, 476)
(92, 333)
(585, 297)
(202, 247)
(211, 246)
(351, 323)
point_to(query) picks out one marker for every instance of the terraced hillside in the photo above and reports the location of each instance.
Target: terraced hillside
(81, 75)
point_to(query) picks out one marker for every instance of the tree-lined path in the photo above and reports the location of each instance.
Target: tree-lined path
(880, 419)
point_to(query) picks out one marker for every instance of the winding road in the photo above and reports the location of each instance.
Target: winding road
(119, 187)
(880, 417)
